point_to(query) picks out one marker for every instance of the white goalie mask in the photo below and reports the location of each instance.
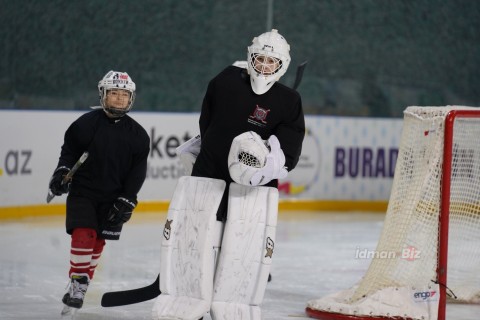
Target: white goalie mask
(268, 60)
(116, 80)
(247, 155)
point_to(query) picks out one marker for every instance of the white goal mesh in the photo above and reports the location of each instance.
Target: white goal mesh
(404, 279)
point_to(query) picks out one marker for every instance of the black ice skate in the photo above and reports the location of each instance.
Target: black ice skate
(76, 292)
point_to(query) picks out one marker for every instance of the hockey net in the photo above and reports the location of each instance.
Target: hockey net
(433, 217)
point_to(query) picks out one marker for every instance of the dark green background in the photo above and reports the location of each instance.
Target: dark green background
(365, 57)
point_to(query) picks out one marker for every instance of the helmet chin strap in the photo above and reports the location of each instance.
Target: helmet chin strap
(114, 112)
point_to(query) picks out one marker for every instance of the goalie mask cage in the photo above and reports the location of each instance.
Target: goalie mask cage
(433, 217)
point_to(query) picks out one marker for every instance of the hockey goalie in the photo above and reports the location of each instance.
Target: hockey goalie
(219, 237)
(196, 275)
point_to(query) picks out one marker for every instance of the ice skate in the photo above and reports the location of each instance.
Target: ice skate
(73, 299)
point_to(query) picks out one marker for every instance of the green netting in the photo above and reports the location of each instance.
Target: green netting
(366, 57)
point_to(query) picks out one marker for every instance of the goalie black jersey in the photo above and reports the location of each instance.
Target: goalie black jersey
(118, 151)
(230, 107)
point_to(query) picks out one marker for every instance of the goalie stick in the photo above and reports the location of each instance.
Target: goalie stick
(299, 75)
(69, 175)
(122, 298)
(126, 297)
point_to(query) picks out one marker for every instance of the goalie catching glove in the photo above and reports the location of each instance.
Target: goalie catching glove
(255, 162)
(121, 211)
(274, 167)
(57, 184)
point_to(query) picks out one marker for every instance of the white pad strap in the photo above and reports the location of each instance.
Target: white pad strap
(246, 255)
(187, 152)
(186, 256)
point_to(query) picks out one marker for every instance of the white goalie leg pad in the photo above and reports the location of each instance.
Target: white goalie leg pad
(217, 242)
(187, 255)
(246, 254)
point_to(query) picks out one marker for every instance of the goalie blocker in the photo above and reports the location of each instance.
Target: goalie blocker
(196, 276)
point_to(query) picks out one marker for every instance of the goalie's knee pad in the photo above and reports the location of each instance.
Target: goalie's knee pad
(246, 254)
(187, 256)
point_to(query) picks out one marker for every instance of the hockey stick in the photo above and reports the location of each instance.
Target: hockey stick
(299, 76)
(122, 298)
(69, 175)
(126, 297)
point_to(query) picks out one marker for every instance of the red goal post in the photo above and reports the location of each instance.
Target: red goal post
(436, 191)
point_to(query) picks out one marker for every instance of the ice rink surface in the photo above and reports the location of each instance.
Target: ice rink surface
(315, 254)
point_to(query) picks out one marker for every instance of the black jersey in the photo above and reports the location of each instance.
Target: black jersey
(230, 107)
(117, 162)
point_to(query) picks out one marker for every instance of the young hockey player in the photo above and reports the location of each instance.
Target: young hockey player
(242, 109)
(103, 191)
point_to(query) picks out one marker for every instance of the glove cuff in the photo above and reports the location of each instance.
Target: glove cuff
(130, 203)
(62, 168)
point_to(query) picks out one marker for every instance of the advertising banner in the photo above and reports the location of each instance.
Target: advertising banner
(342, 158)
(345, 159)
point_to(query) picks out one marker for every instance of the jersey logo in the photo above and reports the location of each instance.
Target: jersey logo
(259, 116)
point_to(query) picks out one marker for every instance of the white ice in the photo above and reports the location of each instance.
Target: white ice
(315, 254)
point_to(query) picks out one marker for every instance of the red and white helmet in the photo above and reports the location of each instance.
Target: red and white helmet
(116, 80)
(268, 60)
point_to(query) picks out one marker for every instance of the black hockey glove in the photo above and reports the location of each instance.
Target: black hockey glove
(57, 185)
(121, 211)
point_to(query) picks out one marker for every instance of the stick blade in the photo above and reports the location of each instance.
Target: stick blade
(123, 298)
(50, 196)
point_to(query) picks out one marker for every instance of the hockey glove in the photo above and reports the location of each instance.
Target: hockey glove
(274, 165)
(58, 185)
(121, 211)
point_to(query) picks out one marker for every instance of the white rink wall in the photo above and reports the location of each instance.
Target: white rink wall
(350, 159)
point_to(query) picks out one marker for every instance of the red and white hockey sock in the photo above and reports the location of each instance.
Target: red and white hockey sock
(81, 250)
(97, 252)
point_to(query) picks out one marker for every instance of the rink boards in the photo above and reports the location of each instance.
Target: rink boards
(346, 163)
